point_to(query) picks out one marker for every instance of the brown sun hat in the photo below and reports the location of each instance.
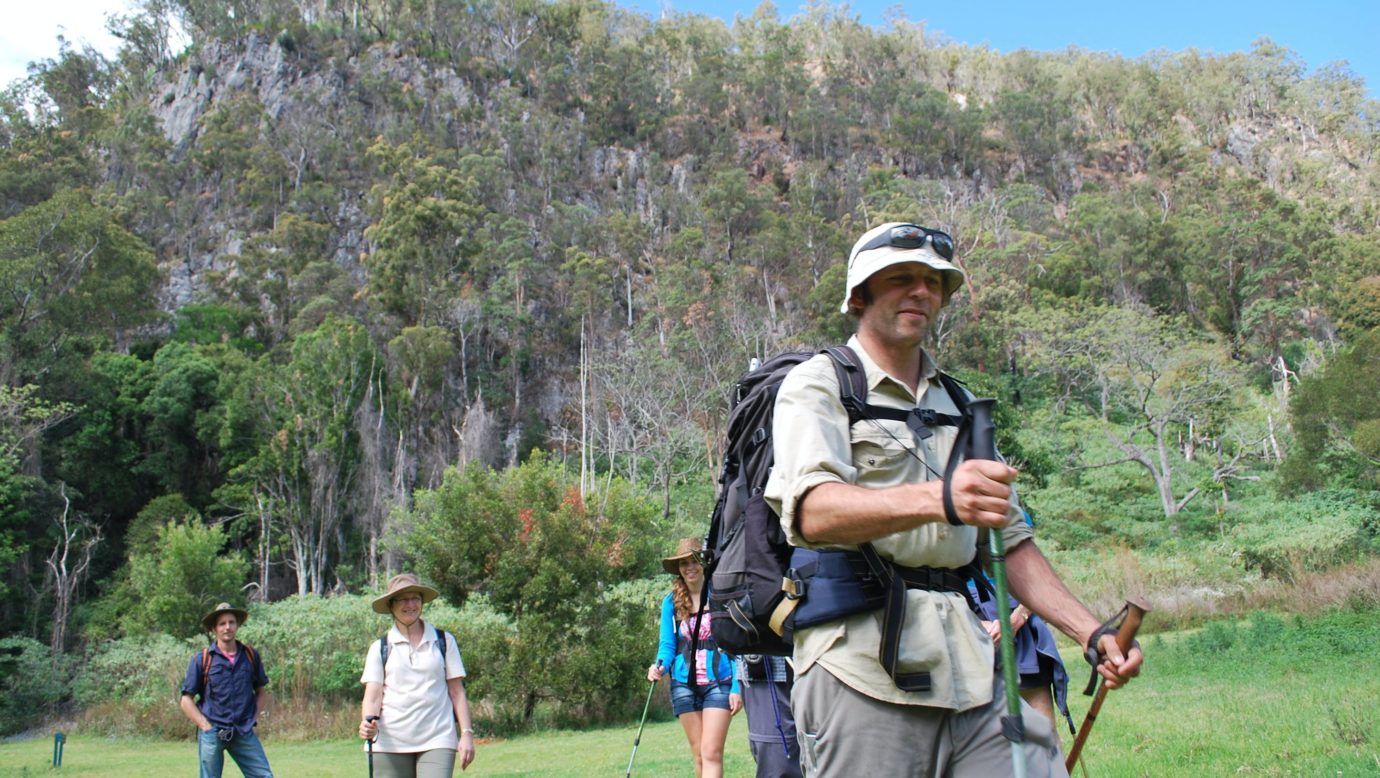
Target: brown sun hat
(208, 622)
(400, 584)
(687, 548)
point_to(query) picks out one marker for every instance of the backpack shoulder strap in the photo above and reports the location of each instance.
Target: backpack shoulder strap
(853, 395)
(205, 672)
(383, 654)
(441, 644)
(255, 661)
(956, 392)
(852, 381)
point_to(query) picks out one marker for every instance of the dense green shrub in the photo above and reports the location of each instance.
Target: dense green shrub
(1313, 532)
(34, 681)
(137, 671)
(130, 685)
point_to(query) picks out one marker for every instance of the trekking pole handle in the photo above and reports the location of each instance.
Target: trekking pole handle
(983, 443)
(1136, 608)
(370, 720)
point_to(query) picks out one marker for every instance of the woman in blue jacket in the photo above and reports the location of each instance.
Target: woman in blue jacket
(704, 688)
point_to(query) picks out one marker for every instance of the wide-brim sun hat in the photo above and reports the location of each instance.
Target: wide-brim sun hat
(402, 583)
(208, 622)
(689, 548)
(877, 250)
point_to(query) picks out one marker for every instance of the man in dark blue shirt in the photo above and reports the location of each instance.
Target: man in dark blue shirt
(229, 677)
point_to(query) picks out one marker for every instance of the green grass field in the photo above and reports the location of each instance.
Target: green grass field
(662, 752)
(1269, 697)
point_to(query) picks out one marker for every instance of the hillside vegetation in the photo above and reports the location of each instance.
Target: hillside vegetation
(459, 287)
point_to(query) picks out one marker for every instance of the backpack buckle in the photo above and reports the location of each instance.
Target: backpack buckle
(794, 585)
(922, 422)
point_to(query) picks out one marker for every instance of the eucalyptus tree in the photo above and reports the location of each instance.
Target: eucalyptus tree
(300, 479)
(1152, 384)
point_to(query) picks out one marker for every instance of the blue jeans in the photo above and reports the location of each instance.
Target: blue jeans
(688, 699)
(244, 748)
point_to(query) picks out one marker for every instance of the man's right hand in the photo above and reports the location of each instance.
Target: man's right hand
(981, 491)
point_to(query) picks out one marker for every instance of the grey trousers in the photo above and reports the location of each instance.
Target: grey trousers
(764, 702)
(844, 733)
(436, 763)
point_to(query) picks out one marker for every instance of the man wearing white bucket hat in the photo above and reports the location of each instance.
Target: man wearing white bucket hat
(913, 696)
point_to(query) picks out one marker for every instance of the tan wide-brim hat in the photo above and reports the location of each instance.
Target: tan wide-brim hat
(208, 622)
(401, 584)
(687, 548)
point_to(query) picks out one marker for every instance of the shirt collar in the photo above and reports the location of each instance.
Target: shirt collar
(876, 375)
(395, 635)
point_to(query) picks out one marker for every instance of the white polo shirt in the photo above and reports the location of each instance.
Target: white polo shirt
(417, 711)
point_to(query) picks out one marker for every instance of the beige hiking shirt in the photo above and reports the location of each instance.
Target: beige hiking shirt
(814, 445)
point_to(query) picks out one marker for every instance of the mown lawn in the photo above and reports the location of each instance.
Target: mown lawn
(1273, 696)
(662, 752)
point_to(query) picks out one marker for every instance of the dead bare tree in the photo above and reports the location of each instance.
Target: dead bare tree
(68, 564)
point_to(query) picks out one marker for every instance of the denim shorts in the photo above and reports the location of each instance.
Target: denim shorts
(688, 699)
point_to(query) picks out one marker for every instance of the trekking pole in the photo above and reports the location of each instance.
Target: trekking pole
(982, 445)
(1125, 637)
(371, 746)
(651, 687)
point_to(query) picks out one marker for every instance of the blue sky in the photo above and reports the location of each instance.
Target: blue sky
(1318, 31)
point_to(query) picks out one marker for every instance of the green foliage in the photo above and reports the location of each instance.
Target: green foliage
(1335, 416)
(142, 536)
(32, 682)
(67, 268)
(548, 560)
(141, 672)
(187, 574)
(1308, 534)
(205, 324)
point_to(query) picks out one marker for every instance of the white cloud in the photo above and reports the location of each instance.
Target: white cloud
(29, 30)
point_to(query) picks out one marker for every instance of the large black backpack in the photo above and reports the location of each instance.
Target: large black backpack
(748, 558)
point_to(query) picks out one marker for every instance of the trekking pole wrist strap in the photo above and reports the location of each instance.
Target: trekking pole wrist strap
(1094, 653)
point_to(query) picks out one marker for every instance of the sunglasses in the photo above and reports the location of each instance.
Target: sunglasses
(912, 236)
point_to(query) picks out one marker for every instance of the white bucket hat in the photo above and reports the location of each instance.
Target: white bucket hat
(896, 242)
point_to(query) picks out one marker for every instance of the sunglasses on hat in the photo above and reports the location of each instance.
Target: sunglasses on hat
(911, 236)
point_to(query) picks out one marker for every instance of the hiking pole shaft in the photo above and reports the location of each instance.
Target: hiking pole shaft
(371, 747)
(651, 687)
(982, 445)
(1125, 637)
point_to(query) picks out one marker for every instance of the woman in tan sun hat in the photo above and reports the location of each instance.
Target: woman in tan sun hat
(414, 690)
(704, 688)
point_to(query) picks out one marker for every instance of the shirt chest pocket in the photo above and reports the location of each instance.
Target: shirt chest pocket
(223, 676)
(881, 458)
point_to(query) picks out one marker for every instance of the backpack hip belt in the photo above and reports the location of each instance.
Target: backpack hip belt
(844, 583)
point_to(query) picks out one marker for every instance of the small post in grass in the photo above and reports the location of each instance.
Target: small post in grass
(59, 740)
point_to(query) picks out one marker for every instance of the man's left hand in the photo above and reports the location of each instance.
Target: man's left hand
(1115, 668)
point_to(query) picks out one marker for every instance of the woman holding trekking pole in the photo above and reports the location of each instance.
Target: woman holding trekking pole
(704, 688)
(414, 691)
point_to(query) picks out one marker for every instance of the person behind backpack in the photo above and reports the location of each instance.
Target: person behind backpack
(766, 682)
(1043, 679)
(704, 688)
(229, 677)
(925, 701)
(414, 689)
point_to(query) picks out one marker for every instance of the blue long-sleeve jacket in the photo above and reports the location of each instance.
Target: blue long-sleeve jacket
(667, 656)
